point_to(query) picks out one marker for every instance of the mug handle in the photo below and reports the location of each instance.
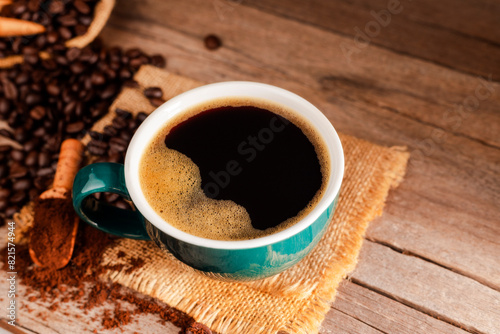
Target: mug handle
(106, 177)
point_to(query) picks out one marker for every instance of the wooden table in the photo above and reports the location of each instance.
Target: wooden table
(420, 73)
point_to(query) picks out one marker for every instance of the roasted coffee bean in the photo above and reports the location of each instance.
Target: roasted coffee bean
(33, 99)
(97, 78)
(6, 133)
(116, 157)
(4, 193)
(108, 92)
(123, 113)
(77, 67)
(22, 184)
(17, 171)
(82, 7)
(119, 123)
(40, 132)
(95, 150)
(18, 197)
(85, 20)
(31, 159)
(75, 127)
(31, 145)
(125, 135)
(9, 89)
(17, 155)
(122, 204)
(112, 197)
(153, 92)
(158, 61)
(110, 131)
(38, 112)
(4, 105)
(31, 58)
(43, 159)
(132, 125)
(96, 135)
(20, 135)
(22, 78)
(99, 143)
(212, 42)
(3, 204)
(42, 172)
(52, 37)
(141, 116)
(67, 20)
(118, 144)
(156, 102)
(56, 7)
(73, 53)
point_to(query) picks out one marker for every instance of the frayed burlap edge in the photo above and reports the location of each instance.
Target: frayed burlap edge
(101, 15)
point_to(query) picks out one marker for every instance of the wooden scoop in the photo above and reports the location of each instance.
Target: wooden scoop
(52, 255)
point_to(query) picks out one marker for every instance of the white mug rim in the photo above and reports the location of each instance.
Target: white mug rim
(176, 105)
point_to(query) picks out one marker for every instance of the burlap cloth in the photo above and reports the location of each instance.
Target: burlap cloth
(295, 301)
(101, 14)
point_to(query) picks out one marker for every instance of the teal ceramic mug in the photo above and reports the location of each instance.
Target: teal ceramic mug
(228, 260)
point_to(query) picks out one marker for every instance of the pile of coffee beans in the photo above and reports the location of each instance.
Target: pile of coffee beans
(63, 20)
(45, 101)
(111, 145)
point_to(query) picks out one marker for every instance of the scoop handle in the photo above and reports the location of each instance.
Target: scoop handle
(70, 158)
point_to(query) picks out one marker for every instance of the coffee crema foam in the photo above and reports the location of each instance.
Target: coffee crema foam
(171, 181)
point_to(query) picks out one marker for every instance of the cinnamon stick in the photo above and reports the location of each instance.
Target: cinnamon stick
(14, 27)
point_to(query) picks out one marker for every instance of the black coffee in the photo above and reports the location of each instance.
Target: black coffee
(234, 169)
(253, 157)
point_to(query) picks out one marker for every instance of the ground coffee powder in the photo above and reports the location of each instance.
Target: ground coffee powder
(47, 236)
(67, 285)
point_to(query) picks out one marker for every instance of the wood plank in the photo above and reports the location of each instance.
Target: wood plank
(452, 181)
(337, 322)
(385, 314)
(426, 29)
(416, 88)
(429, 288)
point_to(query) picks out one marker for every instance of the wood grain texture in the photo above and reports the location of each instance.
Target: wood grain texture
(418, 89)
(429, 288)
(450, 193)
(462, 35)
(337, 322)
(385, 314)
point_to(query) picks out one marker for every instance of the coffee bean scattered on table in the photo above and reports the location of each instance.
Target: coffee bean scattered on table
(47, 101)
(212, 42)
